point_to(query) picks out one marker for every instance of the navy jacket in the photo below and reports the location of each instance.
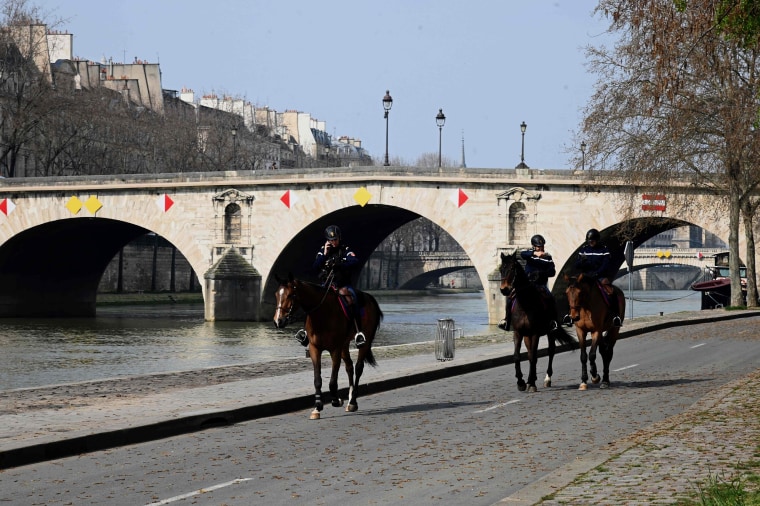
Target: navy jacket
(538, 269)
(341, 260)
(594, 262)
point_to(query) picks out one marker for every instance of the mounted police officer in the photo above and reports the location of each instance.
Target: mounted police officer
(336, 263)
(593, 261)
(539, 267)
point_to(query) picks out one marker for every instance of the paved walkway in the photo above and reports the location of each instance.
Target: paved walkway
(45, 423)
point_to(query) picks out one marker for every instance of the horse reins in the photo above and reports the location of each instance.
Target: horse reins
(328, 283)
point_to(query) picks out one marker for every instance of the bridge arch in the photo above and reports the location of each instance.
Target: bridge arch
(52, 261)
(364, 228)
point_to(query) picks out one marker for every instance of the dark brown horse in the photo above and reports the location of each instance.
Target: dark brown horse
(329, 329)
(532, 313)
(590, 312)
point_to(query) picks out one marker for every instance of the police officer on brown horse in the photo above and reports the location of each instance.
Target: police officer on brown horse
(336, 263)
(593, 261)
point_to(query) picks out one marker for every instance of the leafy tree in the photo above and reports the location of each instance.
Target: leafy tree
(677, 100)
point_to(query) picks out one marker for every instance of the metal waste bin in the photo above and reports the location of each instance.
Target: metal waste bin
(444, 339)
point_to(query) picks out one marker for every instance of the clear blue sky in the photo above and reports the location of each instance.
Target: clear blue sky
(488, 64)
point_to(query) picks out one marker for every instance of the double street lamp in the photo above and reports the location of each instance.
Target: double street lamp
(522, 165)
(440, 119)
(387, 103)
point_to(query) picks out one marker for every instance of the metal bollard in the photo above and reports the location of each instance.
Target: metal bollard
(444, 339)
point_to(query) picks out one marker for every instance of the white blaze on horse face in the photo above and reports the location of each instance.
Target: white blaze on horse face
(278, 312)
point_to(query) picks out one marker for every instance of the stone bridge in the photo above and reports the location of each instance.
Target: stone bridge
(418, 269)
(238, 230)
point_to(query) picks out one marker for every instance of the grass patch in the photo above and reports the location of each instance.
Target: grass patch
(721, 491)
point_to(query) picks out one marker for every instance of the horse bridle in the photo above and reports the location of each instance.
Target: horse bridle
(328, 283)
(574, 285)
(509, 277)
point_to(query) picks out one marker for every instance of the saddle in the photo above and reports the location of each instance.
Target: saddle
(345, 307)
(607, 290)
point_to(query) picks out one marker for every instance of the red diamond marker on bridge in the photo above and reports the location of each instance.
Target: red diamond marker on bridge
(7, 206)
(164, 202)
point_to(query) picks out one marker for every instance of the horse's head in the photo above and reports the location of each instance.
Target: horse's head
(508, 270)
(286, 300)
(577, 295)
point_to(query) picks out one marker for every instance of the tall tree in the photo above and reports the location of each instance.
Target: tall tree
(677, 100)
(26, 91)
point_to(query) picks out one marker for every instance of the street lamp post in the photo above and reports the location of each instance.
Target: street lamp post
(583, 155)
(522, 164)
(234, 148)
(387, 103)
(440, 119)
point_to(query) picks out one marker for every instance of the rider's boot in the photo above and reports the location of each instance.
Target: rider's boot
(616, 320)
(504, 324)
(359, 339)
(302, 337)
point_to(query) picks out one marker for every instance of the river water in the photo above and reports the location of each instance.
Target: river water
(136, 340)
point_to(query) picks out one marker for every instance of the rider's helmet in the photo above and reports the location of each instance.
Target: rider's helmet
(537, 240)
(332, 232)
(593, 235)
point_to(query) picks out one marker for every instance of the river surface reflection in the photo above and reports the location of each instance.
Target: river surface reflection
(137, 340)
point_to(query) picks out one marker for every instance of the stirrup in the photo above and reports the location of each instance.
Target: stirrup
(502, 324)
(616, 321)
(360, 339)
(567, 321)
(553, 325)
(302, 337)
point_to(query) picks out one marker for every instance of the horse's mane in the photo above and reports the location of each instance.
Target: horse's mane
(526, 293)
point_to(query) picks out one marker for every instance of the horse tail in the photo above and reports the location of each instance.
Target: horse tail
(563, 338)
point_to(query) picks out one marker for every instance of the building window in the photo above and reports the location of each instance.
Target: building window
(233, 220)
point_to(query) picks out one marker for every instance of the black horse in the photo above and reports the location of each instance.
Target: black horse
(532, 312)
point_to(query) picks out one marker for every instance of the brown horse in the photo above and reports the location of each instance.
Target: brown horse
(532, 312)
(329, 329)
(590, 311)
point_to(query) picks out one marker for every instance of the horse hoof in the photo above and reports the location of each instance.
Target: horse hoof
(314, 415)
(547, 383)
(605, 384)
(521, 387)
(582, 386)
(351, 408)
(596, 379)
(337, 403)
(532, 389)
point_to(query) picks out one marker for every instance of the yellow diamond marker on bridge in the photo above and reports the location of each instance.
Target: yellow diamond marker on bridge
(93, 204)
(74, 205)
(362, 196)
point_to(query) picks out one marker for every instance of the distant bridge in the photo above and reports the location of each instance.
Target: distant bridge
(417, 269)
(652, 257)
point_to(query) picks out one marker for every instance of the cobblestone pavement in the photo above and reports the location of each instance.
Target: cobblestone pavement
(719, 436)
